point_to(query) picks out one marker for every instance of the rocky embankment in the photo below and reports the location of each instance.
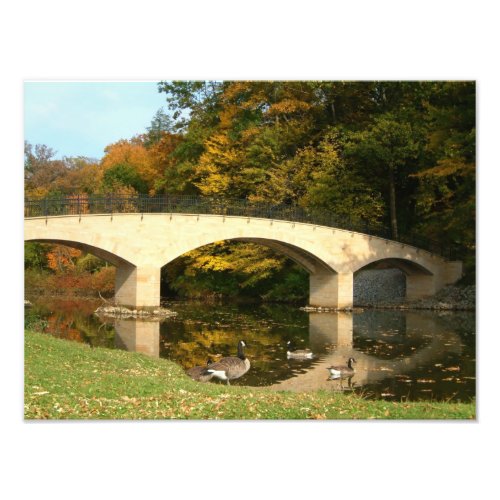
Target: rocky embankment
(451, 297)
(387, 289)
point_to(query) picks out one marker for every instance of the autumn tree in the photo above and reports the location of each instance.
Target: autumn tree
(41, 170)
(326, 182)
(61, 258)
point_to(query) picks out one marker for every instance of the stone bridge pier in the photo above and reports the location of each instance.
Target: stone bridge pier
(137, 287)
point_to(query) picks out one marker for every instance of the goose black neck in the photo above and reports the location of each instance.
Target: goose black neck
(241, 354)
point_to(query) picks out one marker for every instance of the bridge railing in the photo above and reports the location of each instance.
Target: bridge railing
(112, 203)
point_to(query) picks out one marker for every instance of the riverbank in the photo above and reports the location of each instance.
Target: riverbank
(68, 380)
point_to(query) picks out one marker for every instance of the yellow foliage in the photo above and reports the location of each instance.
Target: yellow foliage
(448, 166)
(287, 106)
(37, 193)
(215, 165)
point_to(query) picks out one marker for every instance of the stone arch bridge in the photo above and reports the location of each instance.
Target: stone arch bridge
(139, 244)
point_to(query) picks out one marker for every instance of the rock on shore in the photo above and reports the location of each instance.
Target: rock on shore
(158, 313)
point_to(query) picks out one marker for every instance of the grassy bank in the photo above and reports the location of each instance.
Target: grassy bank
(68, 380)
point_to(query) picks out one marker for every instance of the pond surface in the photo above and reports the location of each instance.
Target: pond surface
(400, 355)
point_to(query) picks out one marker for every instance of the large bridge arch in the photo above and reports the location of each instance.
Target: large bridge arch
(308, 261)
(140, 244)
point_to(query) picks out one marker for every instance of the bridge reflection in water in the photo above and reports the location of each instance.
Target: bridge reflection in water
(336, 330)
(331, 335)
(138, 336)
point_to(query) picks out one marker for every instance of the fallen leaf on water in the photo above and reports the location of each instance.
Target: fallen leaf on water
(452, 369)
(425, 381)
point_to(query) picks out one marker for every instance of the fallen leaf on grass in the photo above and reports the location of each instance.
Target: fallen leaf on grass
(319, 416)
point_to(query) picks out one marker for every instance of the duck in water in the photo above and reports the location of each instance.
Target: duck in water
(292, 353)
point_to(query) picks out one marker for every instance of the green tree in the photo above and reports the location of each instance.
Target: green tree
(386, 151)
(35, 256)
(161, 124)
(327, 183)
(446, 194)
(123, 175)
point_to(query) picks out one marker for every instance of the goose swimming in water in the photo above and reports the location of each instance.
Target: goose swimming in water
(197, 373)
(342, 371)
(297, 353)
(231, 367)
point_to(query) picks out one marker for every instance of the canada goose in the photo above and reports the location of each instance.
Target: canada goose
(231, 367)
(342, 371)
(297, 353)
(197, 373)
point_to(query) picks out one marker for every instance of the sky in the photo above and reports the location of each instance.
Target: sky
(82, 118)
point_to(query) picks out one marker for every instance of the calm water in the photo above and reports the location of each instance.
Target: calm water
(409, 355)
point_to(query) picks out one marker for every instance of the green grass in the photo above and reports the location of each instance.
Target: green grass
(68, 380)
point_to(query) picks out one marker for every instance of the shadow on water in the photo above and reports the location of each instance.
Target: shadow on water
(413, 355)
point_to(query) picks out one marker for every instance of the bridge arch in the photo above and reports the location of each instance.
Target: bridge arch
(101, 253)
(418, 277)
(308, 261)
(407, 266)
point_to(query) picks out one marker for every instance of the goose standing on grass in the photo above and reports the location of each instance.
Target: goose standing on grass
(231, 367)
(297, 353)
(197, 373)
(342, 371)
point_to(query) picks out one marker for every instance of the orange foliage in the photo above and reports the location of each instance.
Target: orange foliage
(61, 258)
(161, 158)
(132, 153)
(150, 162)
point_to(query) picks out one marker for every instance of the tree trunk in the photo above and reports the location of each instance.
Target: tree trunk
(392, 204)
